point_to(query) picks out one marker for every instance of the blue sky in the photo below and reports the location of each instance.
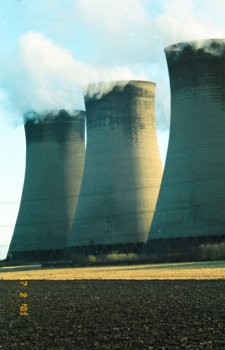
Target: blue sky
(49, 49)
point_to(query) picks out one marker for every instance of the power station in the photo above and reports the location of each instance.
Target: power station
(122, 172)
(55, 151)
(191, 205)
(115, 200)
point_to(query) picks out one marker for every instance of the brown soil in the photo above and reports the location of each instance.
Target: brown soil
(89, 315)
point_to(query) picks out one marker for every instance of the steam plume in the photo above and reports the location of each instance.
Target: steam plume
(213, 47)
(42, 77)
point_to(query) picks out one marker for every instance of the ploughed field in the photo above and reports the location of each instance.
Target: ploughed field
(113, 314)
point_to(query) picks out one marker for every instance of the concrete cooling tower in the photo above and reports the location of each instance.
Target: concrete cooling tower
(191, 204)
(55, 154)
(122, 171)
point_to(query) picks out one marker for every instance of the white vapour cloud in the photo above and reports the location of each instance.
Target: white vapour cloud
(42, 76)
(139, 30)
(122, 40)
(136, 32)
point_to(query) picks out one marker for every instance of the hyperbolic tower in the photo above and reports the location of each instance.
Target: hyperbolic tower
(191, 201)
(122, 171)
(55, 153)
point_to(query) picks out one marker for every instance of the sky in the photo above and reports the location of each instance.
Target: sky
(51, 49)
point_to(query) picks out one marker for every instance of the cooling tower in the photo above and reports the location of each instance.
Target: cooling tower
(55, 154)
(191, 203)
(122, 171)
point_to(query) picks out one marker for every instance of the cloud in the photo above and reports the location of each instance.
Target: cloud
(121, 28)
(42, 76)
(136, 32)
(114, 40)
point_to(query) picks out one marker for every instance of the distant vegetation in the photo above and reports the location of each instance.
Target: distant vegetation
(110, 259)
(212, 251)
(103, 260)
(203, 252)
